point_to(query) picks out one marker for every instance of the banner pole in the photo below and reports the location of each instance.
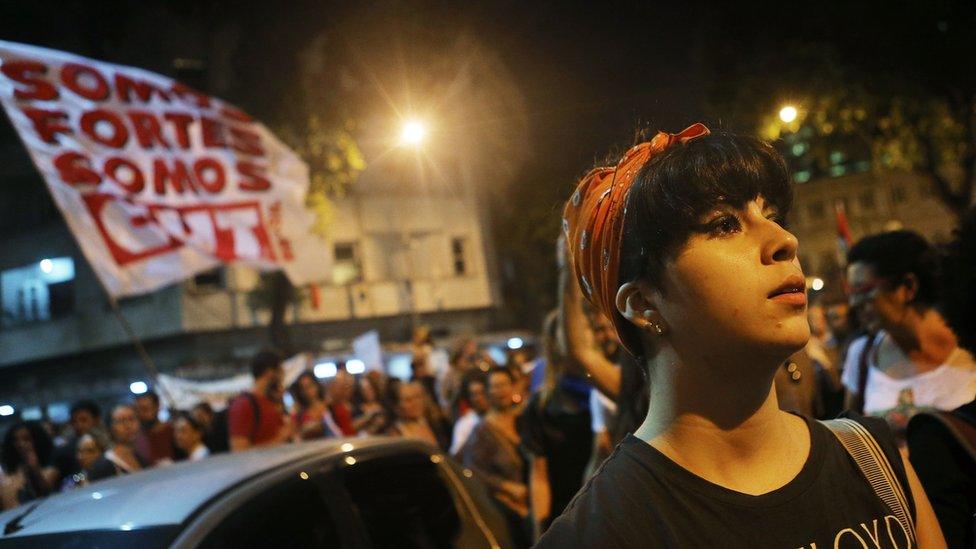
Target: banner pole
(140, 348)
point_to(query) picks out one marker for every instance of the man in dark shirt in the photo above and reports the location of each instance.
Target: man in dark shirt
(255, 419)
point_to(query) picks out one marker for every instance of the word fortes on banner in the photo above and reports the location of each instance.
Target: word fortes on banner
(156, 180)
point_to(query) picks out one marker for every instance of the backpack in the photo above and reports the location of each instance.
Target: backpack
(862, 374)
(218, 439)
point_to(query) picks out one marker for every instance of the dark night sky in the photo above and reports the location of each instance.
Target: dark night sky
(591, 73)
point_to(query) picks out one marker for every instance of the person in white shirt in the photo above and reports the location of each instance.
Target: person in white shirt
(914, 362)
(188, 435)
(474, 393)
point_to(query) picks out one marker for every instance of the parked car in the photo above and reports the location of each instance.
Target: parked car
(374, 492)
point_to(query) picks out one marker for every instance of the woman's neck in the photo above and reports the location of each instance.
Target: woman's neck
(925, 339)
(720, 419)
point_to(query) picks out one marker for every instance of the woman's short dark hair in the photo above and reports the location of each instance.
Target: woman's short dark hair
(299, 395)
(11, 459)
(896, 254)
(674, 189)
(958, 302)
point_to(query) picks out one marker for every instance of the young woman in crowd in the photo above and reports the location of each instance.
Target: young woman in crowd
(410, 402)
(338, 401)
(682, 246)
(188, 435)
(494, 453)
(27, 473)
(942, 445)
(555, 427)
(914, 361)
(310, 408)
(121, 458)
(369, 415)
(88, 451)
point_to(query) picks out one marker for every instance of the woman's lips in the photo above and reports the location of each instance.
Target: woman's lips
(798, 299)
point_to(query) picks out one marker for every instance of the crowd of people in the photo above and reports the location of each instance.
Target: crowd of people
(646, 392)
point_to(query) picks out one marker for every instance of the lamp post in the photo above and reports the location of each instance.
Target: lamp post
(412, 134)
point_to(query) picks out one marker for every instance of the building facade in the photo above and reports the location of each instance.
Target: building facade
(400, 256)
(873, 202)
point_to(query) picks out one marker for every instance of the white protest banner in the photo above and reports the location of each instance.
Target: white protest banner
(183, 394)
(367, 348)
(158, 181)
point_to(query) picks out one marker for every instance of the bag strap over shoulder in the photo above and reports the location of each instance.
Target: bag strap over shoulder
(874, 465)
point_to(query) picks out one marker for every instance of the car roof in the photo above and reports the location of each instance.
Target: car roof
(169, 495)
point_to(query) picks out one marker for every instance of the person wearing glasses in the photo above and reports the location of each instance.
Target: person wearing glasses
(913, 361)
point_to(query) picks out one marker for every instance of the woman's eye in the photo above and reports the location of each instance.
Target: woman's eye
(727, 224)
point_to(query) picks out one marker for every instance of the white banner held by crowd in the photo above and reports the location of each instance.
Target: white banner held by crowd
(183, 394)
(158, 181)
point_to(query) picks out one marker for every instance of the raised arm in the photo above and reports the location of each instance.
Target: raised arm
(579, 343)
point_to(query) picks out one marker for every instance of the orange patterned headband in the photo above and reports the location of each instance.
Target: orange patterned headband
(593, 221)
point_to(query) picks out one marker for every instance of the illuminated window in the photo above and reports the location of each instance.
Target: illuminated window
(37, 292)
(801, 176)
(347, 268)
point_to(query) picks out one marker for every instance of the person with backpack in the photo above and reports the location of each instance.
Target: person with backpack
(913, 362)
(254, 418)
(682, 245)
(942, 445)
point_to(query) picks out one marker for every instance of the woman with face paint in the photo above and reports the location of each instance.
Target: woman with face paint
(682, 245)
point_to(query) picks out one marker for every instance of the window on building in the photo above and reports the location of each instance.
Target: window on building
(212, 279)
(815, 210)
(801, 176)
(827, 263)
(459, 255)
(866, 200)
(898, 194)
(347, 267)
(37, 292)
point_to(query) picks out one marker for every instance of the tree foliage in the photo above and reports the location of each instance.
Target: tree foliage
(887, 85)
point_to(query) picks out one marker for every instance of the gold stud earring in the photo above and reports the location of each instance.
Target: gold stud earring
(658, 329)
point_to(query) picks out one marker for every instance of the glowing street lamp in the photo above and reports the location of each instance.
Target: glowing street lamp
(788, 113)
(413, 133)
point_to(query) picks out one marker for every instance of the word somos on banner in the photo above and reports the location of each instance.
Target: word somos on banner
(158, 181)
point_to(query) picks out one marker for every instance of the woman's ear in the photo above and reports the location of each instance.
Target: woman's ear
(910, 283)
(635, 301)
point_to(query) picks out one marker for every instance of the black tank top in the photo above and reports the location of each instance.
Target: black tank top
(640, 498)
